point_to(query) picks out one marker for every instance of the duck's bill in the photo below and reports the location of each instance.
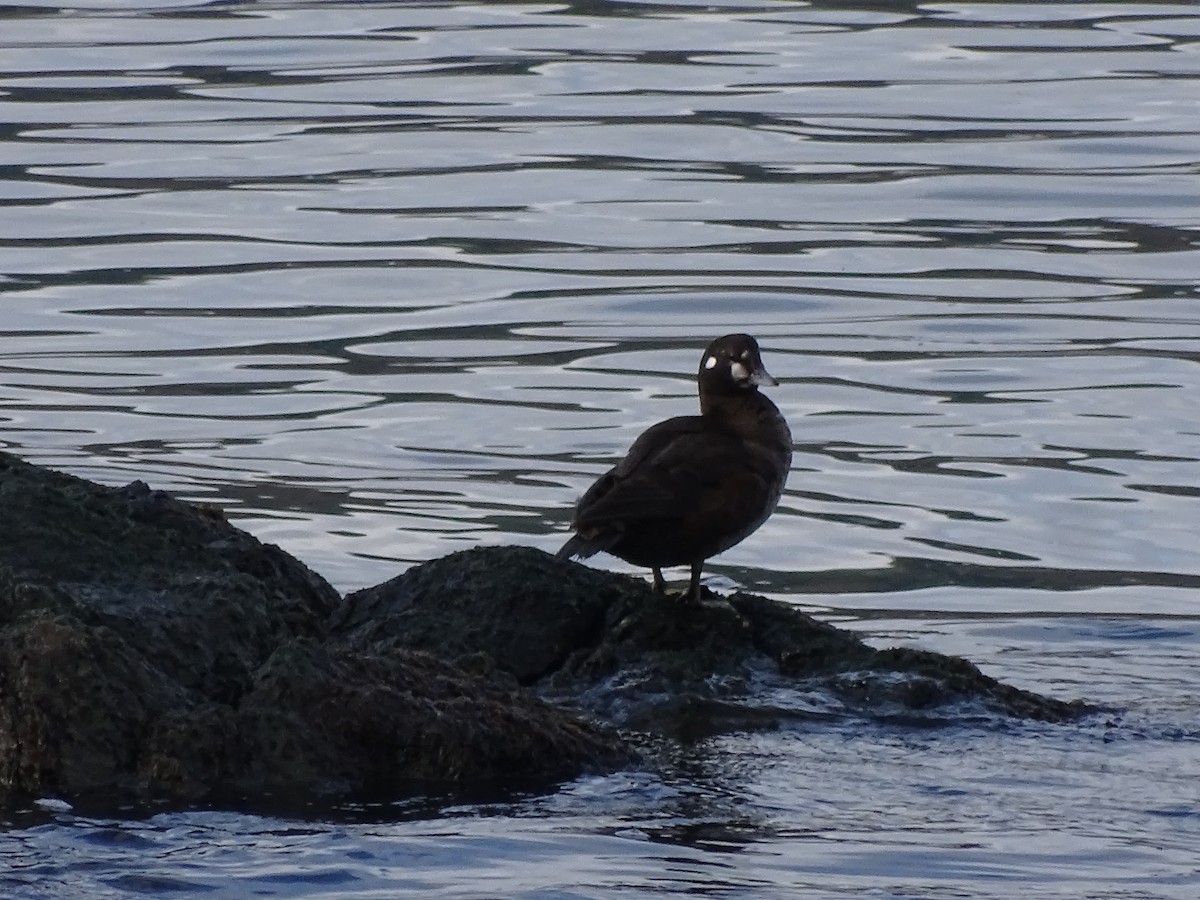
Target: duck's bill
(763, 378)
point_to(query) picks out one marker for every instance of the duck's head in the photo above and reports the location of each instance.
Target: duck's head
(733, 363)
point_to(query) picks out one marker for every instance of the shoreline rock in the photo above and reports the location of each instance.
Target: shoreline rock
(150, 651)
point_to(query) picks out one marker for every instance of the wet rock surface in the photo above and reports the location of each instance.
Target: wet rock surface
(149, 650)
(608, 645)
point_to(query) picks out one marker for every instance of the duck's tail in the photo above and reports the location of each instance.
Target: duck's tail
(575, 547)
(581, 547)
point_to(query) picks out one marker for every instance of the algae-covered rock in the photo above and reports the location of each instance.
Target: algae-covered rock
(609, 645)
(149, 649)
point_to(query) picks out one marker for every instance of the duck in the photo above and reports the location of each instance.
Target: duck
(691, 487)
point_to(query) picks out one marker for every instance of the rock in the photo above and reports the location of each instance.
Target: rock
(518, 606)
(150, 650)
(608, 645)
(329, 720)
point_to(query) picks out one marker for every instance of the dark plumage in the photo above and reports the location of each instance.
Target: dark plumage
(693, 486)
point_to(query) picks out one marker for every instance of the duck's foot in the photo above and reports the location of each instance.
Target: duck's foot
(660, 586)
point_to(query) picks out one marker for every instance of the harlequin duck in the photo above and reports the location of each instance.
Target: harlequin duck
(693, 486)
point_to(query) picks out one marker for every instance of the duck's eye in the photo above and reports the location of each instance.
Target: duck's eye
(710, 362)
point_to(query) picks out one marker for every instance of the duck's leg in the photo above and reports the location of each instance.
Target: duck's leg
(693, 594)
(660, 586)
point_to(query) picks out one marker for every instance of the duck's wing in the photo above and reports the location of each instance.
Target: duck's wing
(669, 471)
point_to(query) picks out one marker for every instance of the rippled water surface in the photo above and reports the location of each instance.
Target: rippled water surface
(388, 279)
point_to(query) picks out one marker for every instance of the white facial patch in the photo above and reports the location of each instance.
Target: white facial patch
(739, 372)
(710, 362)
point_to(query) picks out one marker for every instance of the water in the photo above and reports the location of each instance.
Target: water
(385, 280)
